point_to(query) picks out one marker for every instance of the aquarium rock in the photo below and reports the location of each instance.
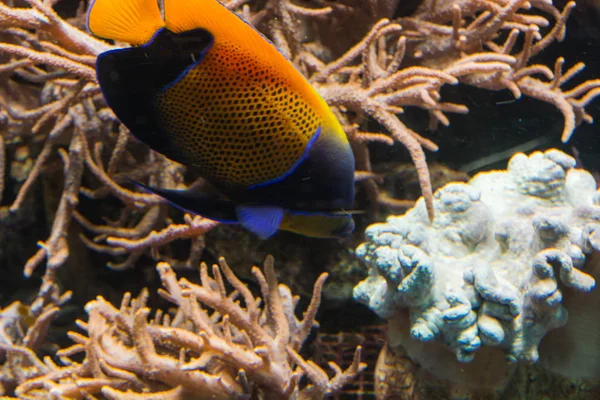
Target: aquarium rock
(490, 269)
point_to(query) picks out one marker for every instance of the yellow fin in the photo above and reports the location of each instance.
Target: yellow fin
(185, 15)
(131, 21)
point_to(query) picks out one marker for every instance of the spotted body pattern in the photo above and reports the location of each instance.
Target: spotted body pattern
(232, 110)
(207, 90)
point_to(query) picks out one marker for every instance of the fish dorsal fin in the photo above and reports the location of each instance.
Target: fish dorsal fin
(131, 21)
(264, 221)
(184, 15)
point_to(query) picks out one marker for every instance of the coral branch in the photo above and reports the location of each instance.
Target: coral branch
(240, 351)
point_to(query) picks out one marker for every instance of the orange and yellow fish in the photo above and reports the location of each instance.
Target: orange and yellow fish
(207, 90)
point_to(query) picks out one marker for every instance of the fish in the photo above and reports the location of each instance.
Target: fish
(205, 89)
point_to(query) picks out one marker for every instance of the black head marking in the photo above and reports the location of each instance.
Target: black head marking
(130, 79)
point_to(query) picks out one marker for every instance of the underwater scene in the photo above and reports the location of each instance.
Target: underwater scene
(300, 199)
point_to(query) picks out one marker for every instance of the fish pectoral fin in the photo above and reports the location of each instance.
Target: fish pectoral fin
(131, 21)
(205, 205)
(264, 221)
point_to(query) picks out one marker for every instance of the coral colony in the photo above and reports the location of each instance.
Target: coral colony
(229, 352)
(491, 269)
(477, 270)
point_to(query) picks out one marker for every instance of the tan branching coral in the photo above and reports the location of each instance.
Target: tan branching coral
(23, 331)
(55, 126)
(40, 47)
(405, 63)
(475, 25)
(390, 65)
(218, 344)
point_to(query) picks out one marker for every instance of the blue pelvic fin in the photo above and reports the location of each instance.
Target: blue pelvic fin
(264, 221)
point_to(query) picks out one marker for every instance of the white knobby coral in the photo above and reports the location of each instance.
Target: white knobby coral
(489, 269)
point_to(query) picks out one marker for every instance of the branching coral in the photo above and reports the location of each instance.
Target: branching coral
(474, 23)
(71, 110)
(493, 269)
(446, 42)
(51, 108)
(218, 344)
(23, 331)
(396, 64)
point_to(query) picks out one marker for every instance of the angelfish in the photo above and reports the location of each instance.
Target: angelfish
(207, 90)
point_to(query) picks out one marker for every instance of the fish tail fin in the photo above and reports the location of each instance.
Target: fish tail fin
(131, 21)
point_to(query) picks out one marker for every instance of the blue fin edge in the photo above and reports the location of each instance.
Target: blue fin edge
(188, 69)
(164, 194)
(299, 161)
